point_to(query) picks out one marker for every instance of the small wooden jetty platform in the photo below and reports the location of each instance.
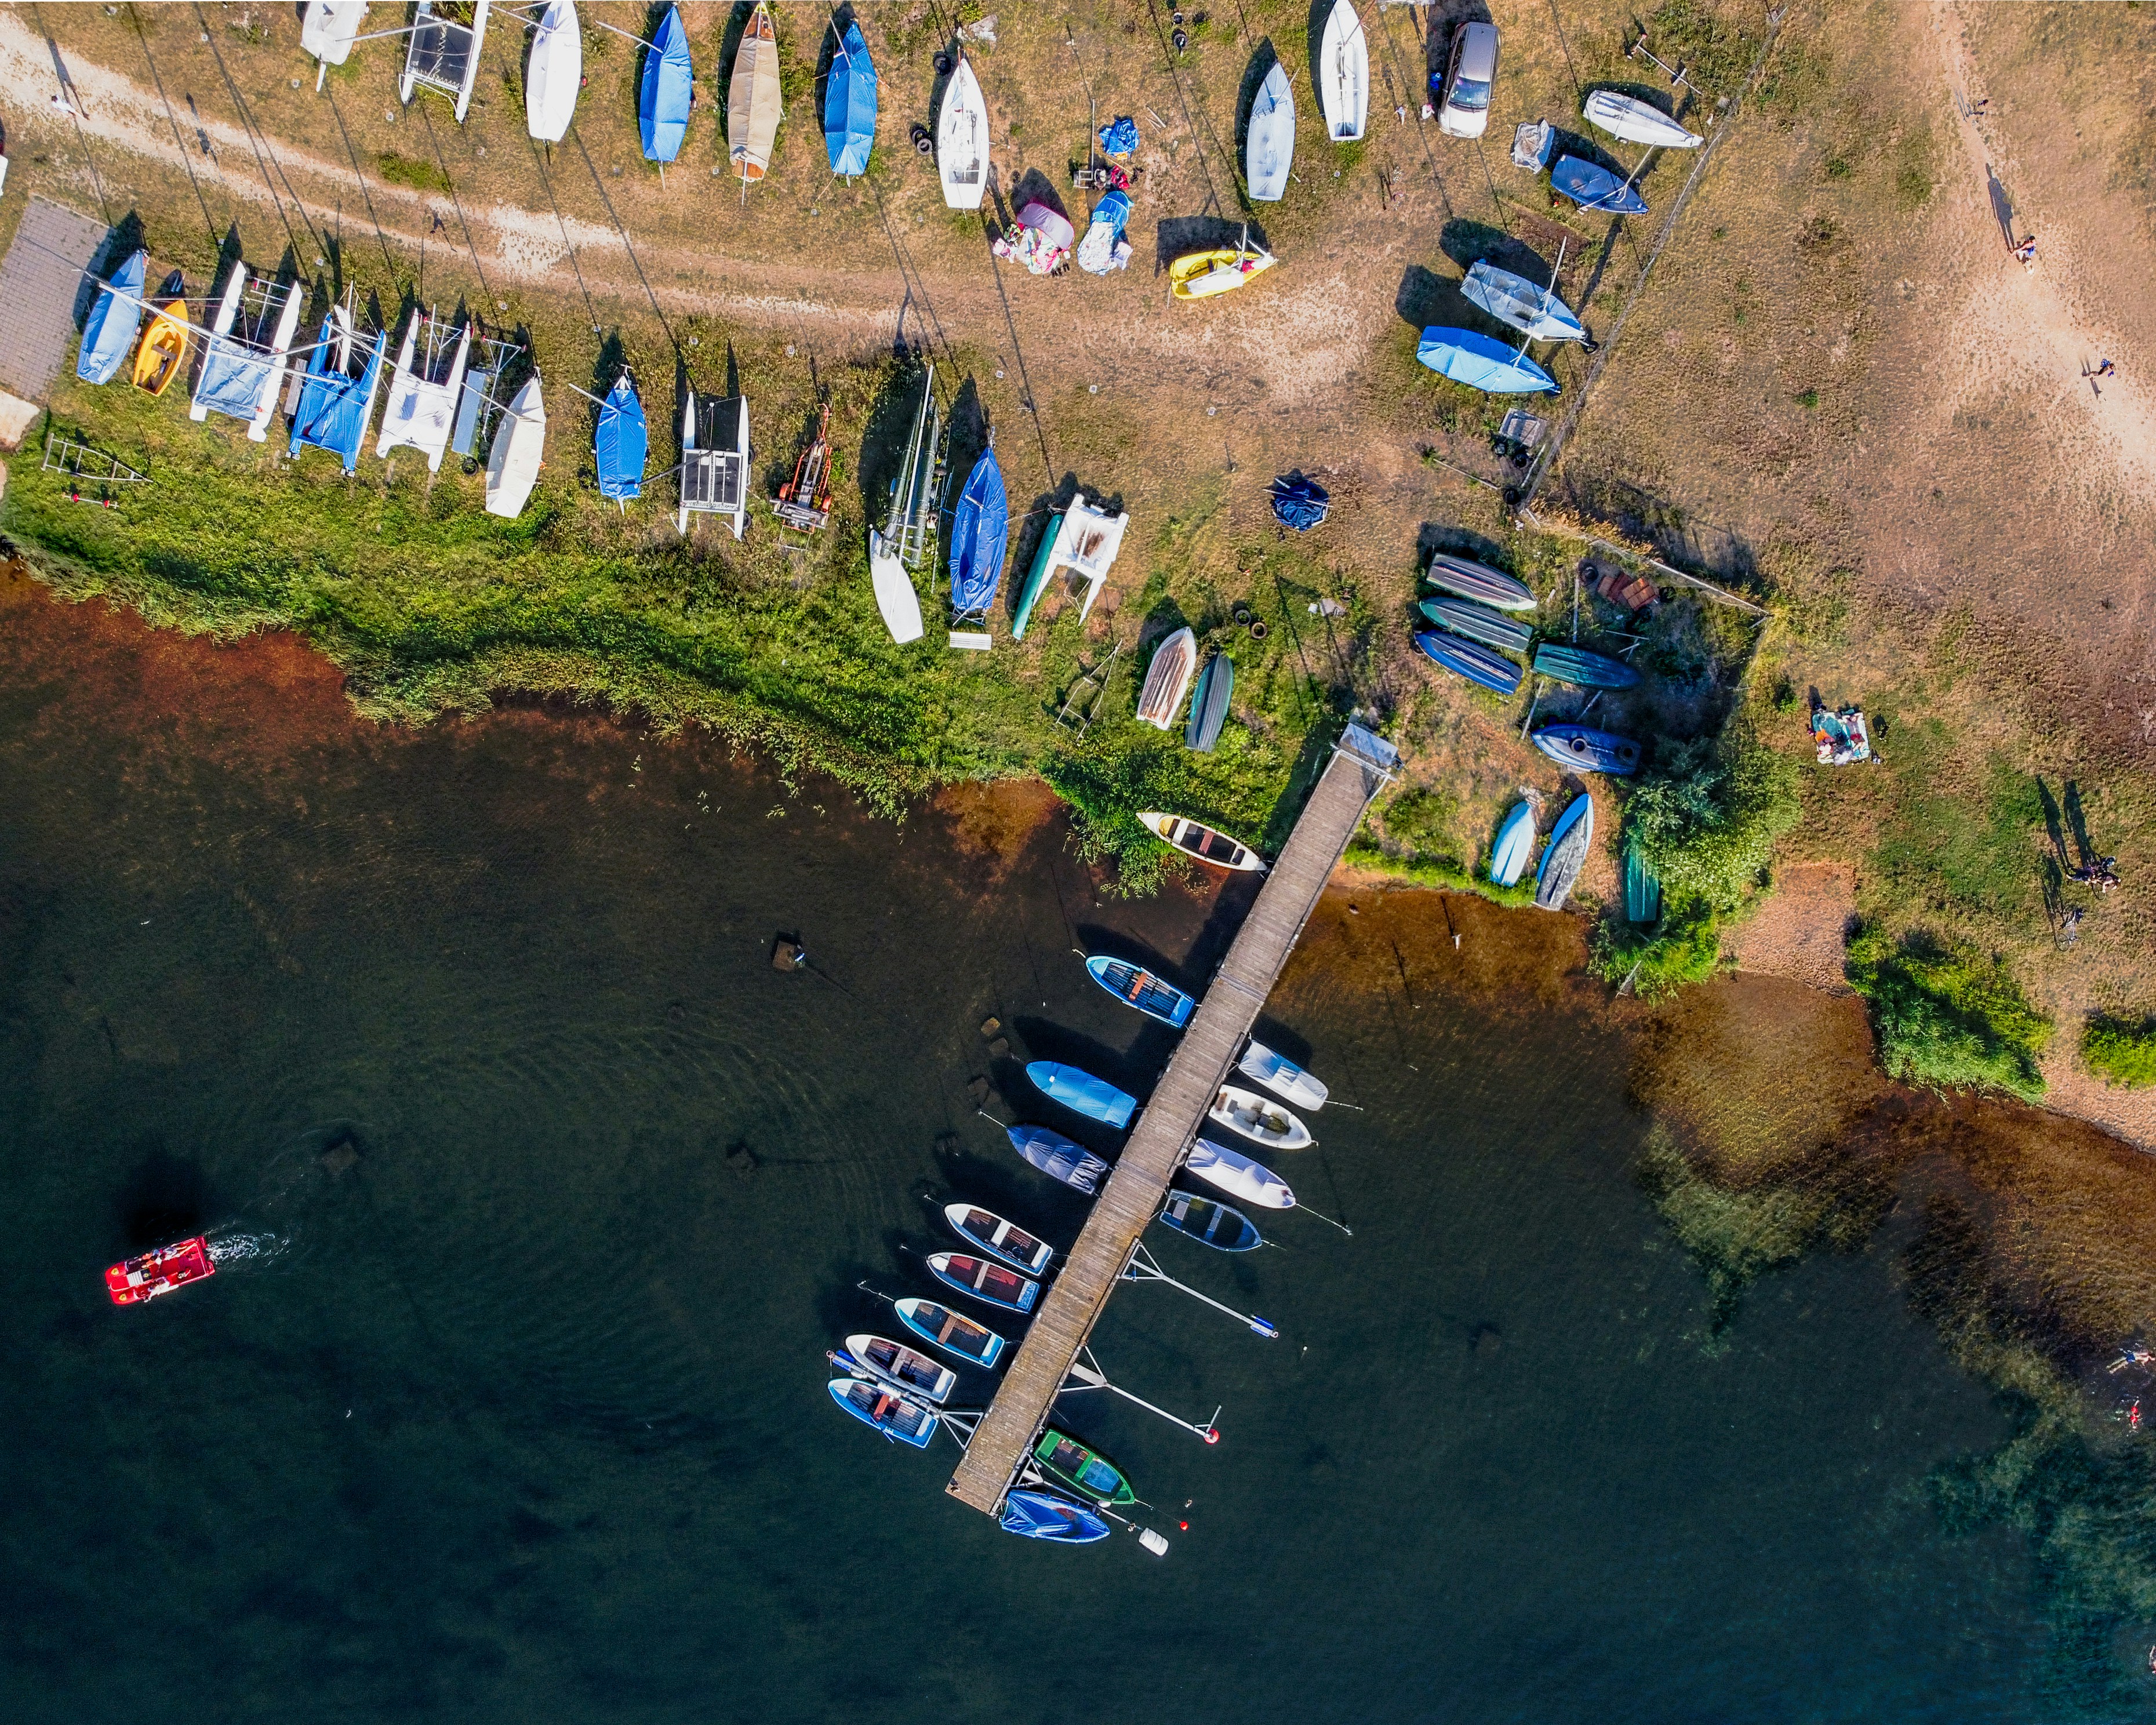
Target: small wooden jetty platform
(1362, 763)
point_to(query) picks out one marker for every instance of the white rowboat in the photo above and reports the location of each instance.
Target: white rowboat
(1637, 122)
(1282, 1076)
(1253, 1115)
(1269, 150)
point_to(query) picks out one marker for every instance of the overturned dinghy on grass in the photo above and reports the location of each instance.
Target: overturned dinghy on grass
(850, 104)
(1637, 122)
(1536, 313)
(1269, 150)
(555, 73)
(1595, 187)
(115, 320)
(1482, 362)
(512, 460)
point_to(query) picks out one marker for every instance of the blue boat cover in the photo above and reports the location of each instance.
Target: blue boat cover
(233, 378)
(1082, 1092)
(620, 442)
(334, 405)
(850, 104)
(668, 80)
(1299, 503)
(108, 337)
(1595, 187)
(1482, 362)
(1053, 1153)
(1040, 1515)
(978, 529)
(1119, 136)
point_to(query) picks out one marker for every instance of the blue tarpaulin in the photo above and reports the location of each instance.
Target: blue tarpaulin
(1119, 136)
(334, 405)
(668, 80)
(233, 378)
(978, 529)
(1299, 503)
(1482, 362)
(1595, 187)
(108, 336)
(620, 442)
(850, 104)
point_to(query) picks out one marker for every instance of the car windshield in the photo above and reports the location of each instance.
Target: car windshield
(1471, 93)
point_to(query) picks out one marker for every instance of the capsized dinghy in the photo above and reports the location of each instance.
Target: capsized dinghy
(1588, 750)
(899, 1417)
(984, 1280)
(1536, 313)
(1581, 668)
(1204, 843)
(327, 28)
(1042, 1514)
(108, 337)
(900, 1367)
(999, 1239)
(1209, 706)
(752, 99)
(1082, 1092)
(1239, 1176)
(163, 353)
(850, 104)
(1246, 1111)
(1592, 186)
(1269, 149)
(1053, 1153)
(621, 441)
(1282, 1076)
(555, 73)
(1343, 73)
(1482, 362)
(1168, 678)
(1515, 845)
(1567, 855)
(1478, 581)
(512, 460)
(962, 140)
(1084, 1469)
(1637, 122)
(1211, 1222)
(1141, 988)
(951, 1331)
(1478, 622)
(1464, 659)
(980, 526)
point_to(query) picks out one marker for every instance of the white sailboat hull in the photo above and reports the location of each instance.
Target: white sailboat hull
(962, 140)
(895, 596)
(554, 74)
(1637, 122)
(512, 464)
(1269, 150)
(1343, 74)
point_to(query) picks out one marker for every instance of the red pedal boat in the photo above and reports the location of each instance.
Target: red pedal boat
(159, 1272)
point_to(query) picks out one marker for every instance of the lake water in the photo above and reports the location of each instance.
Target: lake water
(521, 1414)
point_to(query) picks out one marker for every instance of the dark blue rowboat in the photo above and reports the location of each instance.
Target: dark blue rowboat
(1477, 664)
(1053, 1153)
(1082, 1092)
(1209, 706)
(1592, 187)
(1589, 750)
(1211, 1222)
(1041, 1515)
(1140, 988)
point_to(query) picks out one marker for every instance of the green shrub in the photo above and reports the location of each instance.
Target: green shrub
(1947, 1016)
(1706, 816)
(2122, 1050)
(1659, 958)
(1420, 818)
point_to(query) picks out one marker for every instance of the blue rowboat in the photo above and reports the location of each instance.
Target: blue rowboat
(1053, 1153)
(1211, 1222)
(1581, 669)
(1478, 664)
(1515, 845)
(1567, 855)
(1082, 1092)
(1592, 187)
(663, 113)
(899, 1417)
(998, 1238)
(951, 1331)
(850, 104)
(1589, 750)
(984, 1280)
(1209, 706)
(1479, 623)
(108, 337)
(1482, 362)
(1042, 1514)
(1135, 986)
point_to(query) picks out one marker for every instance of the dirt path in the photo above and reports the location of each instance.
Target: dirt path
(2015, 318)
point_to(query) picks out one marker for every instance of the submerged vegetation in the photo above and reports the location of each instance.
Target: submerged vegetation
(1948, 1015)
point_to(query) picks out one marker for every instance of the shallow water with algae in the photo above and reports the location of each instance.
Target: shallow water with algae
(559, 1192)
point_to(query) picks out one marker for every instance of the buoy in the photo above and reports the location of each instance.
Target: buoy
(1157, 1544)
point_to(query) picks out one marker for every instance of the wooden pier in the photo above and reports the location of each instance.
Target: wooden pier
(1361, 765)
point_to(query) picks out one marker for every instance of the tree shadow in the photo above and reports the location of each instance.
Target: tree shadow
(1176, 236)
(883, 437)
(1434, 537)
(1468, 244)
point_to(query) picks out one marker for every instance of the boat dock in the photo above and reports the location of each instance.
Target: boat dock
(1362, 764)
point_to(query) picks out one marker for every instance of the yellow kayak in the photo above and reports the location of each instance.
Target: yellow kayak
(164, 350)
(1200, 275)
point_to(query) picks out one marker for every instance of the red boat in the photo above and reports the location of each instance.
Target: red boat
(159, 1272)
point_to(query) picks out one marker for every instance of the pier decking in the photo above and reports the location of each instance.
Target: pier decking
(1360, 765)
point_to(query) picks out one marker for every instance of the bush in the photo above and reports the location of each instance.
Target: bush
(1947, 1016)
(2121, 1051)
(1420, 818)
(1685, 946)
(1705, 818)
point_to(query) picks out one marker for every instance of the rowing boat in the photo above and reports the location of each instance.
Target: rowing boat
(164, 350)
(1268, 1123)
(984, 1280)
(1204, 842)
(1209, 706)
(1167, 680)
(1582, 670)
(1239, 1176)
(1143, 990)
(952, 1332)
(1084, 1469)
(752, 98)
(1478, 622)
(1082, 1092)
(1211, 1222)
(1343, 73)
(1515, 845)
(1054, 1154)
(1269, 147)
(1587, 749)
(900, 1367)
(1219, 269)
(998, 1238)
(1042, 1514)
(1464, 659)
(1478, 581)
(1567, 855)
(1282, 1076)
(899, 1417)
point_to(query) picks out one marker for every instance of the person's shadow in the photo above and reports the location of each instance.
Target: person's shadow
(2002, 206)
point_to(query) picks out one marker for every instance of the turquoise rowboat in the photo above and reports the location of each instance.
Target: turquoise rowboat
(1515, 845)
(1581, 668)
(951, 1331)
(1211, 1222)
(1082, 1092)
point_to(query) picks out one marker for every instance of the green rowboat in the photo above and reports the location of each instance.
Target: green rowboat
(1070, 1463)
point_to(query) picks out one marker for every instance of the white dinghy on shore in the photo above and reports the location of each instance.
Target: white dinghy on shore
(512, 463)
(555, 72)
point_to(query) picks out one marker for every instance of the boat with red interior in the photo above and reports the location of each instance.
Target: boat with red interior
(159, 1272)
